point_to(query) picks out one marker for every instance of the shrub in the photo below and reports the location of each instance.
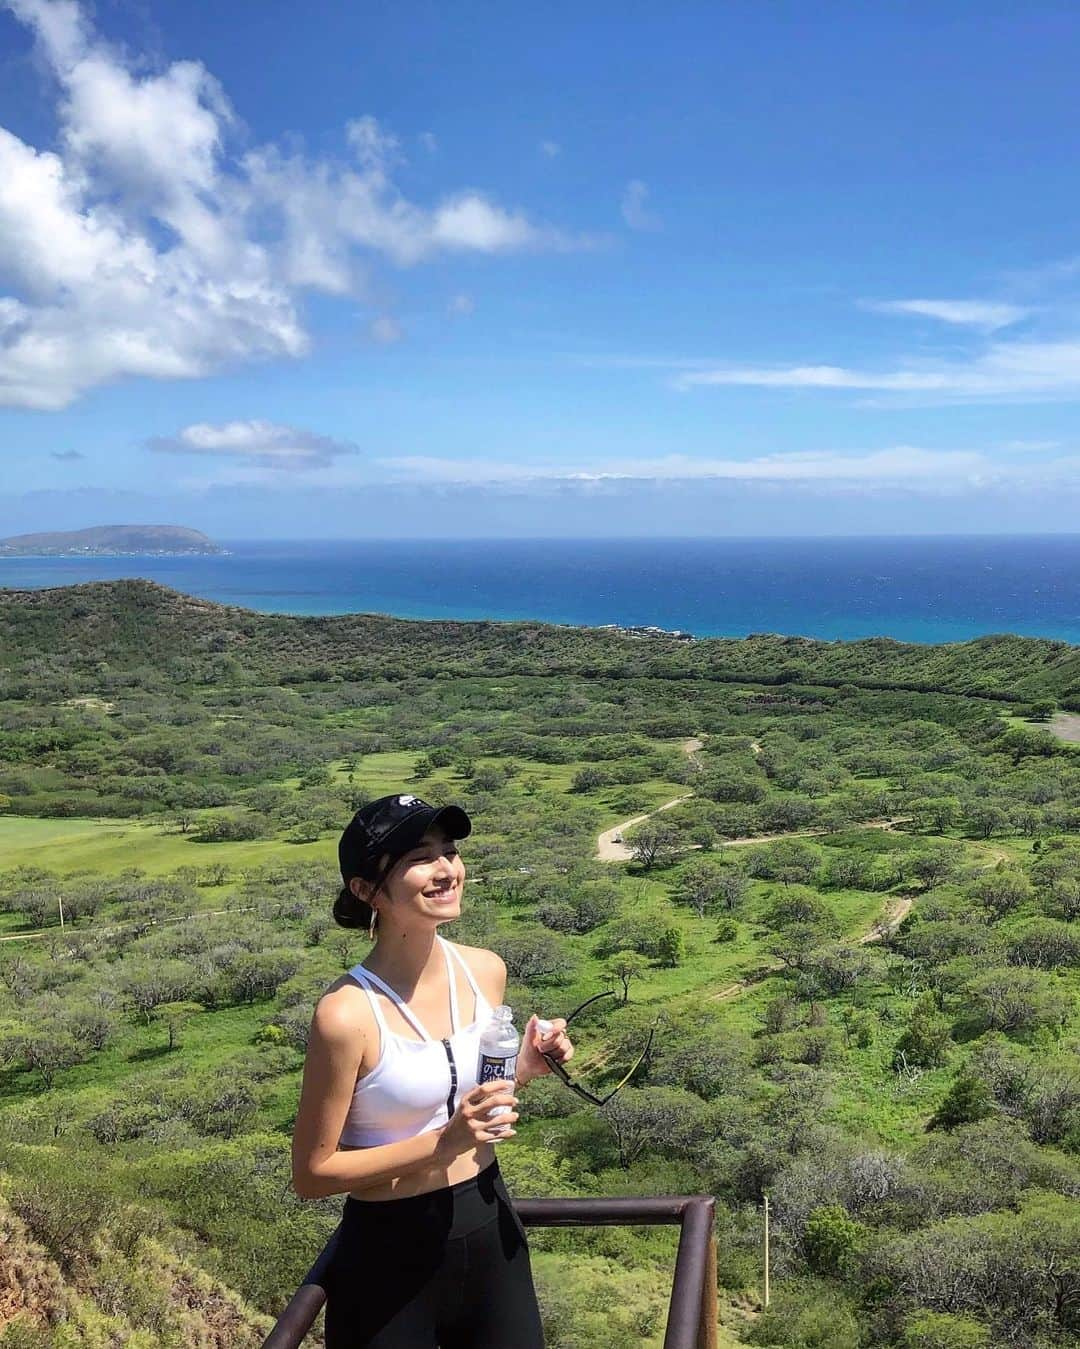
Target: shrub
(727, 929)
(1018, 999)
(967, 1101)
(926, 1041)
(944, 1330)
(535, 958)
(807, 1317)
(229, 828)
(831, 1240)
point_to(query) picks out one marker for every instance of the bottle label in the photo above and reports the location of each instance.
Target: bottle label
(494, 1069)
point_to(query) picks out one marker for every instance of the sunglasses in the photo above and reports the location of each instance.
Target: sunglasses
(564, 1077)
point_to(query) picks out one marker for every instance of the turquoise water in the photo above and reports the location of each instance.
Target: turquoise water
(921, 590)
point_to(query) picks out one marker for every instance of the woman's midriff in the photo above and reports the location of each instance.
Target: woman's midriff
(424, 1179)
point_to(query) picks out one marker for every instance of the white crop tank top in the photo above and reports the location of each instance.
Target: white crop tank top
(416, 1084)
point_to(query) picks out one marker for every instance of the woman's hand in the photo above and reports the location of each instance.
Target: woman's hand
(540, 1038)
(469, 1125)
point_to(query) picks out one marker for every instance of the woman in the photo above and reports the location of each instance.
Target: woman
(431, 1252)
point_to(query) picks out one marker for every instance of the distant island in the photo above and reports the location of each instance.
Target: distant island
(112, 541)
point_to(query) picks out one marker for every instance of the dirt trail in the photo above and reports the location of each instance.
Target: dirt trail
(812, 833)
(896, 910)
(1066, 726)
(893, 914)
(609, 848)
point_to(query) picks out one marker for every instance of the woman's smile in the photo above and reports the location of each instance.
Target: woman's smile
(443, 894)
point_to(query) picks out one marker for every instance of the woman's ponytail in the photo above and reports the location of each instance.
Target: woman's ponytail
(349, 911)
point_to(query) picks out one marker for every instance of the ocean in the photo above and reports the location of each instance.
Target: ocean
(914, 589)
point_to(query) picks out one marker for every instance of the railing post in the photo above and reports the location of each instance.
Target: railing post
(710, 1312)
(692, 1311)
(684, 1327)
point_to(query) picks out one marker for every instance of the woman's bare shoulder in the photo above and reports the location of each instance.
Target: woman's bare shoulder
(342, 1010)
(479, 955)
(488, 966)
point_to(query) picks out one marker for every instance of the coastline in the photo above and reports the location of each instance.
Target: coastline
(89, 554)
(913, 591)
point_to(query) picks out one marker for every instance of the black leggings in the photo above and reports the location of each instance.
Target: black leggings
(444, 1270)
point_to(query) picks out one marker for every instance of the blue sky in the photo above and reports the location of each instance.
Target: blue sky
(581, 269)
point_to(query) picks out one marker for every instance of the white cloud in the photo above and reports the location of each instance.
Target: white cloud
(469, 221)
(1031, 446)
(550, 149)
(1006, 370)
(140, 248)
(374, 147)
(985, 314)
(634, 211)
(386, 330)
(902, 465)
(264, 444)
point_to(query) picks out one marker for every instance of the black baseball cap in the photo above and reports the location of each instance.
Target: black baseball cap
(393, 824)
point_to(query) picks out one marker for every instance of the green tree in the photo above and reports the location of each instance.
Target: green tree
(670, 946)
(813, 1315)
(174, 1016)
(984, 819)
(936, 813)
(933, 863)
(699, 886)
(660, 1119)
(653, 843)
(1000, 890)
(798, 905)
(727, 929)
(789, 860)
(626, 966)
(967, 1101)
(1019, 999)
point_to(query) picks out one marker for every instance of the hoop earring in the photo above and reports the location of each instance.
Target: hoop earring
(371, 925)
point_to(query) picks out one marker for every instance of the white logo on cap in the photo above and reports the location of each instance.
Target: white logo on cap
(407, 800)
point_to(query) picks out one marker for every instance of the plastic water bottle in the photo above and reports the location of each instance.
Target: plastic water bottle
(499, 1045)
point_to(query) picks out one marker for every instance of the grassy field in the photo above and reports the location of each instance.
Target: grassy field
(108, 847)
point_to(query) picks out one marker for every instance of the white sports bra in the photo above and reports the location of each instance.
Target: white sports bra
(416, 1084)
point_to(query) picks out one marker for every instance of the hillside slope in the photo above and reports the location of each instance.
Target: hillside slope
(139, 623)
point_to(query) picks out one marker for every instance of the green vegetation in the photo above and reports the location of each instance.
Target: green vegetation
(859, 929)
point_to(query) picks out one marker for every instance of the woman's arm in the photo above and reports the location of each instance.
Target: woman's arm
(319, 1167)
(530, 1064)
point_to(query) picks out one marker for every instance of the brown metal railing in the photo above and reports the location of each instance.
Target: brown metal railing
(692, 1312)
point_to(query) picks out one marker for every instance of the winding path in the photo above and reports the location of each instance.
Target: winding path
(609, 845)
(894, 913)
